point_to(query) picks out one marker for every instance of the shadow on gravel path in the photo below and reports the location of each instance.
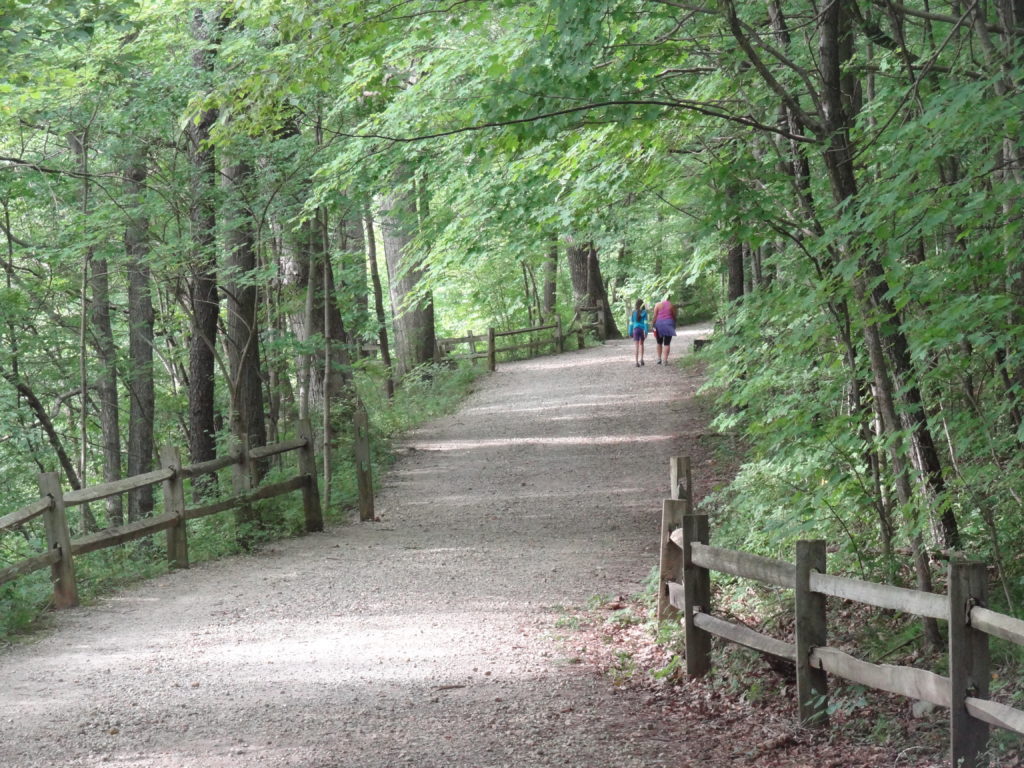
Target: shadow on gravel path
(425, 639)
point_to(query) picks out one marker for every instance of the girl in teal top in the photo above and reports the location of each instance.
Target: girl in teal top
(638, 330)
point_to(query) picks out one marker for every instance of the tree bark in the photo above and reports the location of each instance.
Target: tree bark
(378, 302)
(204, 305)
(243, 340)
(735, 271)
(140, 345)
(412, 311)
(551, 279)
(587, 284)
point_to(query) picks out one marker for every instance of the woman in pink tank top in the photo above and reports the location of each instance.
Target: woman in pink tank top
(664, 328)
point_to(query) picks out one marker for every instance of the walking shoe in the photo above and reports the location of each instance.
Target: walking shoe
(638, 365)
(641, 362)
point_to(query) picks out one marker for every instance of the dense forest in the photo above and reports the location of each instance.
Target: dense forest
(210, 213)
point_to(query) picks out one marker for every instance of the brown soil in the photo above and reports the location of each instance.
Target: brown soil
(440, 636)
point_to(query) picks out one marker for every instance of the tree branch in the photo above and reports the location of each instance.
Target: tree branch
(787, 98)
(692, 106)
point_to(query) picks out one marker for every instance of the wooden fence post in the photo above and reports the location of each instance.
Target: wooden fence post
(310, 491)
(174, 503)
(559, 336)
(364, 469)
(58, 536)
(696, 594)
(492, 357)
(670, 566)
(680, 484)
(811, 683)
(241, 484)
(602, 323)
(969, 670)
(472, 347)
(672, 514)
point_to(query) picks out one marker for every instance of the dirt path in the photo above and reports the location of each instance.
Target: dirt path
(422, 640)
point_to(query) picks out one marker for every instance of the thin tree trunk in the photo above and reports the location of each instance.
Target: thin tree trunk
(95, 323)
(378, 302)
(551, 279)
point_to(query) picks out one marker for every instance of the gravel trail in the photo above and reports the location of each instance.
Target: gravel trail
(426, 639)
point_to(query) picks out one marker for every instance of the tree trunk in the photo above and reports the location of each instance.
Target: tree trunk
(140, 346)
(412, 312)
(587, 284)
(101, 336)
(551, 279)
(735, 271)
(378, 302)
(243, 341)
(834, 46)
(204, 306)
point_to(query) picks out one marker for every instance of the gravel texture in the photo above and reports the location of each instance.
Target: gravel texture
(426, 639)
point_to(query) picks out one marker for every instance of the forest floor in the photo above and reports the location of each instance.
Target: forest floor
(486, 620)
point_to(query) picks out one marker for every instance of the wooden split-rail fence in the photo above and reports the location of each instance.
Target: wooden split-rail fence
(61, 549)
(484, 346)
(687, 559)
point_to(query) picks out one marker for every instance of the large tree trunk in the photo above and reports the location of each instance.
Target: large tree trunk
(587, 284)
(243, 340)
(140, 346)
(412, 312)
(204, 306)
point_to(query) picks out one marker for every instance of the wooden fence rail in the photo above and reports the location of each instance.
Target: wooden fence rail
(687, 560)
(62, 549)
(551, 334)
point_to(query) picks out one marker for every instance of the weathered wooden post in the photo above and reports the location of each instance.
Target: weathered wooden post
(492, 357)
(307, 467)
(602, 321)
(364, 469)
(969, 670)
(672, 513)
(246, 520)
(696, 593)
(680, 484)
(670, 566)
(58, 537)
(174, 503)
(472, 347)
(559, 336)
(811, 683)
